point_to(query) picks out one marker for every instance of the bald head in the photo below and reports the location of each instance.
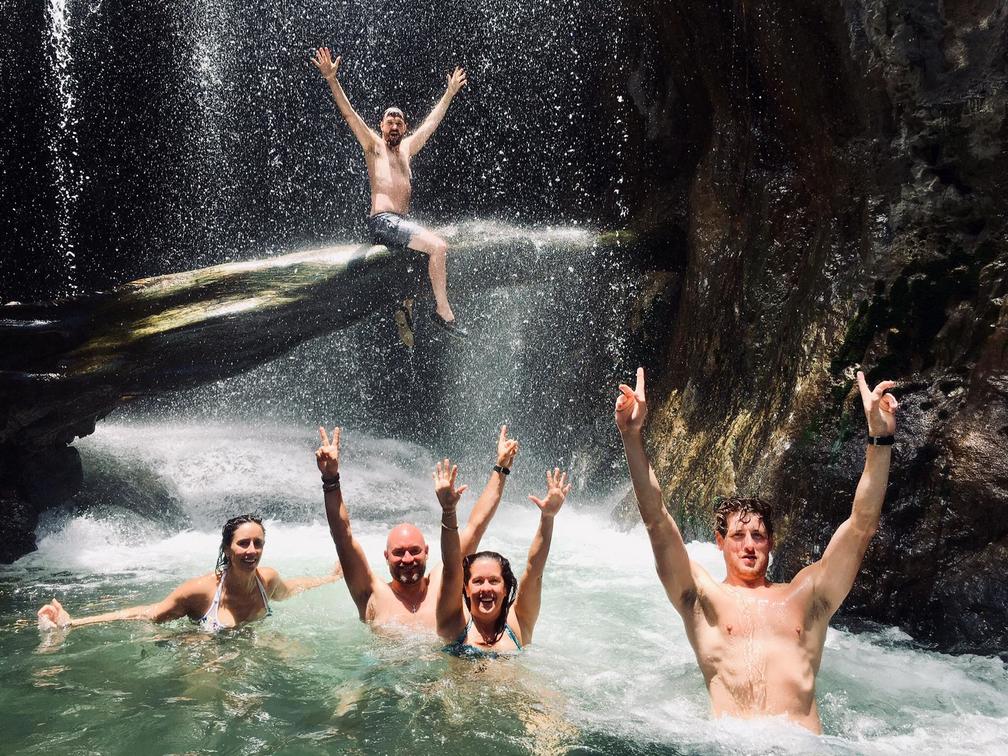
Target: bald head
(406, 553)
(405, 534)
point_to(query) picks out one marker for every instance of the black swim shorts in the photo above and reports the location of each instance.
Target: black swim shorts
(391, 229)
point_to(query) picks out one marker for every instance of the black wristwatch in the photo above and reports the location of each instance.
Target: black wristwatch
(881, 440)
(502, 470)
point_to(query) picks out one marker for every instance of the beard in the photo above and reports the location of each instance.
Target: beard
(393, 140)
(409, 575)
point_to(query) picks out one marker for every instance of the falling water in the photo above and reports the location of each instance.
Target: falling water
(63, 136)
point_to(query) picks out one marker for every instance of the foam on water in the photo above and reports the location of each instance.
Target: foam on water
(610, 669)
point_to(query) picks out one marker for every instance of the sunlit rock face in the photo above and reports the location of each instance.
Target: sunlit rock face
(835, 176)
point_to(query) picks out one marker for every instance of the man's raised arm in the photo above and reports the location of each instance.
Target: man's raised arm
(834, 574)
(671, 559)
(328, 67)
(486, 505)
(415, 141)
(356, 570)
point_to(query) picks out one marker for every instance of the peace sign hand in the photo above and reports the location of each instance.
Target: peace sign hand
(507, 448)
(557, 489)
(879, 406)
(631, 406)
(327, 455)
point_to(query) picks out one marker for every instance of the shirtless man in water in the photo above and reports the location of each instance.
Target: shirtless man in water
(759, 644)
(388, 162)
(409, 599)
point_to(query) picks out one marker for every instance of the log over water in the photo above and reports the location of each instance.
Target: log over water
(65, 365)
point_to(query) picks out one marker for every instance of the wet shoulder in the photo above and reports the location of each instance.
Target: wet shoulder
(202, 585)
(197, 593)
(270, 578)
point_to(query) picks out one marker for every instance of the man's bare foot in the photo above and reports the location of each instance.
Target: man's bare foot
(450, 327)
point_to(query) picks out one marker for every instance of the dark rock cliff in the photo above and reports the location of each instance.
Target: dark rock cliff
(831, 180)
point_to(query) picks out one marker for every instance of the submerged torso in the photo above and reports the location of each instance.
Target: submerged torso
(230, 610)
(471, 642)
(759, 650)
(390, 175)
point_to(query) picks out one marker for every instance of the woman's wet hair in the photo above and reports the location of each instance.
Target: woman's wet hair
(746, 507)
(227, 534)
(509, 580)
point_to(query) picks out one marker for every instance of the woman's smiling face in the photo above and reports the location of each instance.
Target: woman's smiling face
(486, 589)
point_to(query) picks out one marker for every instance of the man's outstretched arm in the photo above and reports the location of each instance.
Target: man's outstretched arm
(328, 67)
(415, 141)
(834, 574)
(671, 559)
(356, 570)
(486, 505)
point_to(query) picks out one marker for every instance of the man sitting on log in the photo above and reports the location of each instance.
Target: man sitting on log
(409, 599)
(388, 162)
(758, 643)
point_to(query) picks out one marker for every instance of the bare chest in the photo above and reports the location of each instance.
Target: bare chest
(390, 165)
(746, 637)
(388, 609)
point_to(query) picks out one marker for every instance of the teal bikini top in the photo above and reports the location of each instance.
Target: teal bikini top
(460, 648)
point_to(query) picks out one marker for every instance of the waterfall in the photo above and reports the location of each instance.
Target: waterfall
(63, 143)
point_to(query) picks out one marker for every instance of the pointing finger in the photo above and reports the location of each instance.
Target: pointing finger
(639, 390)
(863, 385)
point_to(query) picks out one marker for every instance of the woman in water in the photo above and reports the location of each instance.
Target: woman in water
(502, 612)
(236, 592)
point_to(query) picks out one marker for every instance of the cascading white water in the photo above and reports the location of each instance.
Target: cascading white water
(62, 138)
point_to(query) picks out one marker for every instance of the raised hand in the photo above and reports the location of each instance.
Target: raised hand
(52, 616)
(444, 485)
(327, 455)
(456, 80)
(507, 448)
(557, 489)
(325, 64)
(631, 406)
(879, 406)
